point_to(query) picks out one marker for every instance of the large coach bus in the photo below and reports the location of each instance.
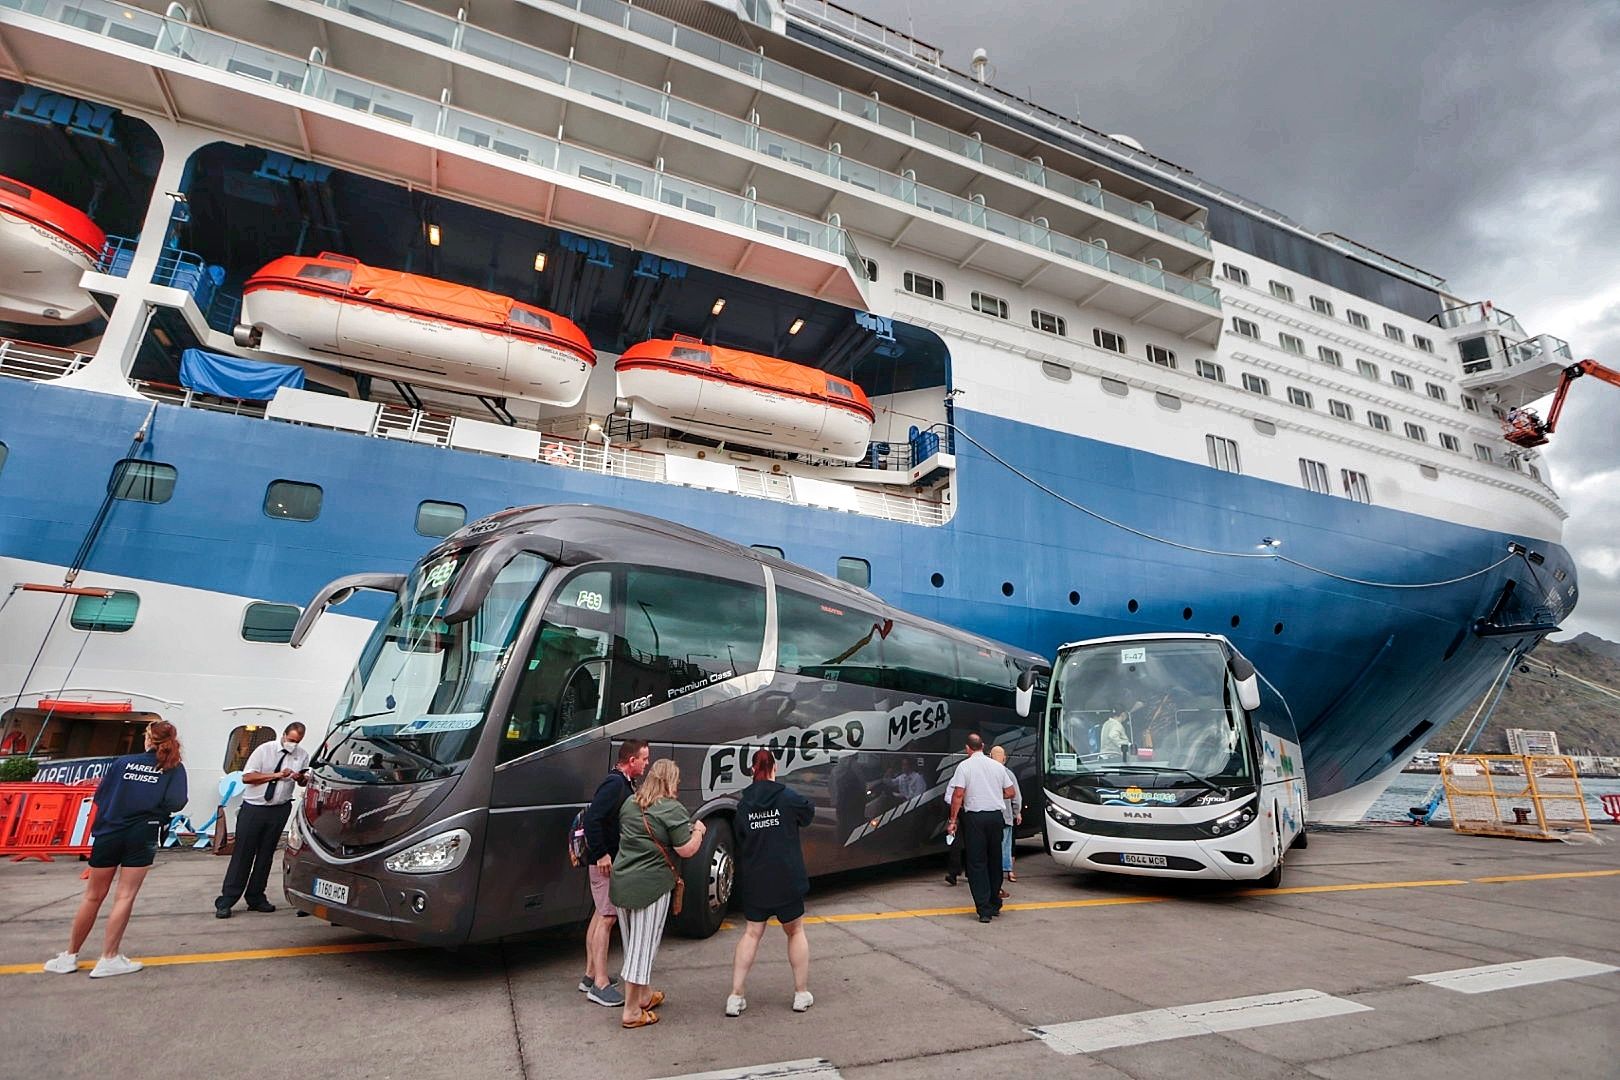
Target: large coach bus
(1169, 755)
(486, 706)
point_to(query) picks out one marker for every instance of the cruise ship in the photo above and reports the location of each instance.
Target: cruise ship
(293, 288)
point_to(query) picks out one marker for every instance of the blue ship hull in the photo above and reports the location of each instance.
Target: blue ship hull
(1367, 670)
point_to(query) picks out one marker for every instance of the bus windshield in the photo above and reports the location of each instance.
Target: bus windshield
(1157, 714)
(415, 702)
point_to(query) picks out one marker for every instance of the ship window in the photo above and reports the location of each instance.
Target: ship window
(1330, 356)
(1358, 320)
(1168, 401)
(1416, 432)
(1161, 356)
(1314, 475)
(1535, 473)
(1401, 379)
(337, 275)
(871, 268)
(1254, 384)
(1209, 369)
(1291, 343)
(11, 187)
(1471, 404)
(1377, 420)
(1436, 391)
(1394, 333)
(1341, 409)
(1356, 486)
(439, 518)
(1450, 442)
(1245, 328)
(1282, 292)
(1048, 322)
(269, 623)
(1483, 452)
(1423, 343)
(1234, 273)
(855, 571)
(1367, 369)
(986, 304)
(1056, 372)
(769, 549)
(840, 389)
(4, 453)
(1107, 339)
(1223, 453)
(1299, 397)
(1321, 306)
(243, 741)
(533, 319)
(1429, 472)
(292, 500)
(914, 282)
(691, 356)
(1114, 387)
(143, 481)
(1511, 462)
(106, 614)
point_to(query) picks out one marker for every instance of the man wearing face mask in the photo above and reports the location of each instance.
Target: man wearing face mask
(272, 776)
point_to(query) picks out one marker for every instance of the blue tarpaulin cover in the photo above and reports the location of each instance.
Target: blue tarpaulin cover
(234, 377)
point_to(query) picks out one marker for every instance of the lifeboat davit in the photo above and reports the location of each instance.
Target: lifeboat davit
(746, 398)
(416, 329)
(45, 248)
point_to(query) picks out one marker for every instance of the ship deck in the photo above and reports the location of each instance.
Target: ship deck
(908, 983)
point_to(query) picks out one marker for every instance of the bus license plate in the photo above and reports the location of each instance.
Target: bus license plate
(331, 890)
(1160, 861)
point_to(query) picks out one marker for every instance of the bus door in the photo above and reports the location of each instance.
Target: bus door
(553, 753)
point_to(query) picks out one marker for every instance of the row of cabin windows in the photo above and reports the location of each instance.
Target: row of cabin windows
(1324, 306)
(115, 614)
(286, 500)
(1314, 476)
(1293, 343)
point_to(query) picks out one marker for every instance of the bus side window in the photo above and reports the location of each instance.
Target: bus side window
(987, 676)
(826, 639)
(918, 661)
(563, 678)
(683, 632)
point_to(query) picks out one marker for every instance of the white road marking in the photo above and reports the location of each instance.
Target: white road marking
(806, 1069)
(1482, 980)
(1208, 1018)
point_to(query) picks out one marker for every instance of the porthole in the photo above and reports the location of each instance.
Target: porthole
(1006, 588)
(1132, 606)
(1277, 629)
(1235, 621)
(1074, 599)
(1186, 613)
(937, 581)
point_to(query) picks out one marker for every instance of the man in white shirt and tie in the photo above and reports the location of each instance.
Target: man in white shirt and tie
(978, 790)
(272, 776)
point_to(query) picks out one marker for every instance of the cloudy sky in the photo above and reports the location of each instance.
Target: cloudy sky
(1478, 139)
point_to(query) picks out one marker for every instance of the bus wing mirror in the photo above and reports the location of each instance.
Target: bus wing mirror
(337, 592)
(1248, 680)
(1025, 693)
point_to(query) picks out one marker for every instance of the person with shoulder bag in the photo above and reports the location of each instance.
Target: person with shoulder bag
(646, 884)
(598, 839)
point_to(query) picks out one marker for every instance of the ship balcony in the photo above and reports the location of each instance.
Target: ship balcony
(136, 59)
(1521, 371)
(1468, 320)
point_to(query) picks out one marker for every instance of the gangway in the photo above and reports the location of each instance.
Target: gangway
(1524, 428)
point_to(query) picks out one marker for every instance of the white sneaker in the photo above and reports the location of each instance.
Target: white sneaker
(63, 963)
(735, 1004)
(802, 1000)
(109, 966)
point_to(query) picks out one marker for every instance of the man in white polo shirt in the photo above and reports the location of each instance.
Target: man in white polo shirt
(978, 790)
(272, 776)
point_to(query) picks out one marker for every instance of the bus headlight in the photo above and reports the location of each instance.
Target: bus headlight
(1064, 818)
(433, 855)
(1235, 820)
(295, 838)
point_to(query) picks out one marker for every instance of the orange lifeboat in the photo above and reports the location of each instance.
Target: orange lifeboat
(745, 398)
(45, 248)
(416, 329)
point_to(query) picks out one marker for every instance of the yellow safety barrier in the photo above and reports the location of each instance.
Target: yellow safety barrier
(1529, 796)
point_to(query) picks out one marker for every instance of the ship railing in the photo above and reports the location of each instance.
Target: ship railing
(187, 398)
(447, 31)
(38, 363)
(869, 30)
(1478, 311)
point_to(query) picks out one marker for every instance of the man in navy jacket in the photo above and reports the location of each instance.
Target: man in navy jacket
(601, 824)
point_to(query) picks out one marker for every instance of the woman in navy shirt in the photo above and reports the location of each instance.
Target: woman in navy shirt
(135, 797)
(771, 877)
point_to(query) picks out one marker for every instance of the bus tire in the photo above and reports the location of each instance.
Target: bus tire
(1301, 840)
(1274, 879)
(709, 876)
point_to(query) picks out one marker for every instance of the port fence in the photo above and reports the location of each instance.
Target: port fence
(41, 821)
(1525, 796)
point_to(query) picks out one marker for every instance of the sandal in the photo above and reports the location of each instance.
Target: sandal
(1010, 876)
(653, 1002)
(647, 1017)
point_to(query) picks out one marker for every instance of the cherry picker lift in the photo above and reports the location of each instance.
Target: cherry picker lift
(1526, 429)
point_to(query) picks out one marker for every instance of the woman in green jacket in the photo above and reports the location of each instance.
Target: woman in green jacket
(654, 829)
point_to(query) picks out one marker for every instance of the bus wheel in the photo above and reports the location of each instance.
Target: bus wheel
(1274, 879)
(709, 877)
(1301, 840)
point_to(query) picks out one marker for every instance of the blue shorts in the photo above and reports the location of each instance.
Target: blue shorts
(133, 845)
(785, 913)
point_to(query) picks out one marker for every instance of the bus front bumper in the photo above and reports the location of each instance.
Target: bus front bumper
(1244, 855)
(429, 909)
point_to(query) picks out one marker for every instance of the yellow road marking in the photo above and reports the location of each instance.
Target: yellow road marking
(1355, 886)
(227, 957)
(1547, 877)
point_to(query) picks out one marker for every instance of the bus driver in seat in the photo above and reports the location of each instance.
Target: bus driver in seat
(1115, 737)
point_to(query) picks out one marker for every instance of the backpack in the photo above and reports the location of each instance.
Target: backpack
(578, 854)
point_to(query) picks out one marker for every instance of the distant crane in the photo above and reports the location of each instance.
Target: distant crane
(1526, 429)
